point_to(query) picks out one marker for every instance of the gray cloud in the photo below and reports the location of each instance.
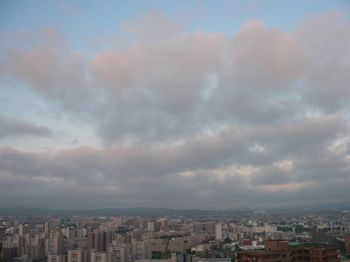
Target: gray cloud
(327, 66)
(207, 119)
(206, 168)
(15, 127)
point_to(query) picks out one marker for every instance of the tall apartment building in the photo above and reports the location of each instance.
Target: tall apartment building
(347, 244)
(79, 255)
(56, 258)
(151, 226)
(8, 252)
(100, 257)
(120, 252)
(218, 231)
(55, 244)
(99, 240)
(204, 227)
(34, 252)
(140, 249)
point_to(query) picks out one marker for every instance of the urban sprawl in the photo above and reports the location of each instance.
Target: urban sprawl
(259, 236)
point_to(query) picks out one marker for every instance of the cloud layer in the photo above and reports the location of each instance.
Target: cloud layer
(189, 120)
(10, 127)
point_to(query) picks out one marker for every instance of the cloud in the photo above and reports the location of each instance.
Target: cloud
(326, 41)
(11, 127)
(205, 118)
(226, 163)
(174, 83)
(274, 58)
(48, 67)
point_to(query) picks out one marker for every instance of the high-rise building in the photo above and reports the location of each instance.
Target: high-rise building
(347, 244)
(23, 229)
(8, 253)
(151, 226)
(99, 240)
(56, 258)
(120, 252)
(218, 232)
(204, 227)
(47, 228)
(56, 244)
(140, 249)
(78, 255)
(100, 257)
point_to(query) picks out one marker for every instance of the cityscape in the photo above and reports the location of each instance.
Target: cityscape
(175, 131)
(232, 236)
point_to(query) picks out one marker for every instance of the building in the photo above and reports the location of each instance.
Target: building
(55, 244)
(218, 232)
(276, 245)
(78, 255)
(280, 251)
(151, 226)
(120, 252)
(56, 258)
(172, 259)
(204, 227)
(33, 252)
(140, 249)
(8, 252)
(99, 240)
(200, 259)
(347, 244)
(262, 256)
(100, 257)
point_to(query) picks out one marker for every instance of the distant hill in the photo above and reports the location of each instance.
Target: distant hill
(158, 212)
(147, 212)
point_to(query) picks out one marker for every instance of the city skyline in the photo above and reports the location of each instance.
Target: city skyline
(185, 105)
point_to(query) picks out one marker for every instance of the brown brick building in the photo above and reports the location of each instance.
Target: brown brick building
(347, 244)
(280, 251)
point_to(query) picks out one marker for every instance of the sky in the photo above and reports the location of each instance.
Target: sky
(176, 104)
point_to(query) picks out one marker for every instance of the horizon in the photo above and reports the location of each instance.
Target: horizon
(324, 206)
(181, 105)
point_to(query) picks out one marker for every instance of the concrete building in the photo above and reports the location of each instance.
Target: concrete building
(34, 252)
(78, 255)
(276, 250)
(347, 244)
(156, 245)
(218, 232)
(120, 252)
(139, 249)
(172, 259)
(56, 258)
(100, 240)
(200, 259)
(204, 227)
(55, 244)
(8, 252)
(21, 259)
(151, 226)
(100, 257)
